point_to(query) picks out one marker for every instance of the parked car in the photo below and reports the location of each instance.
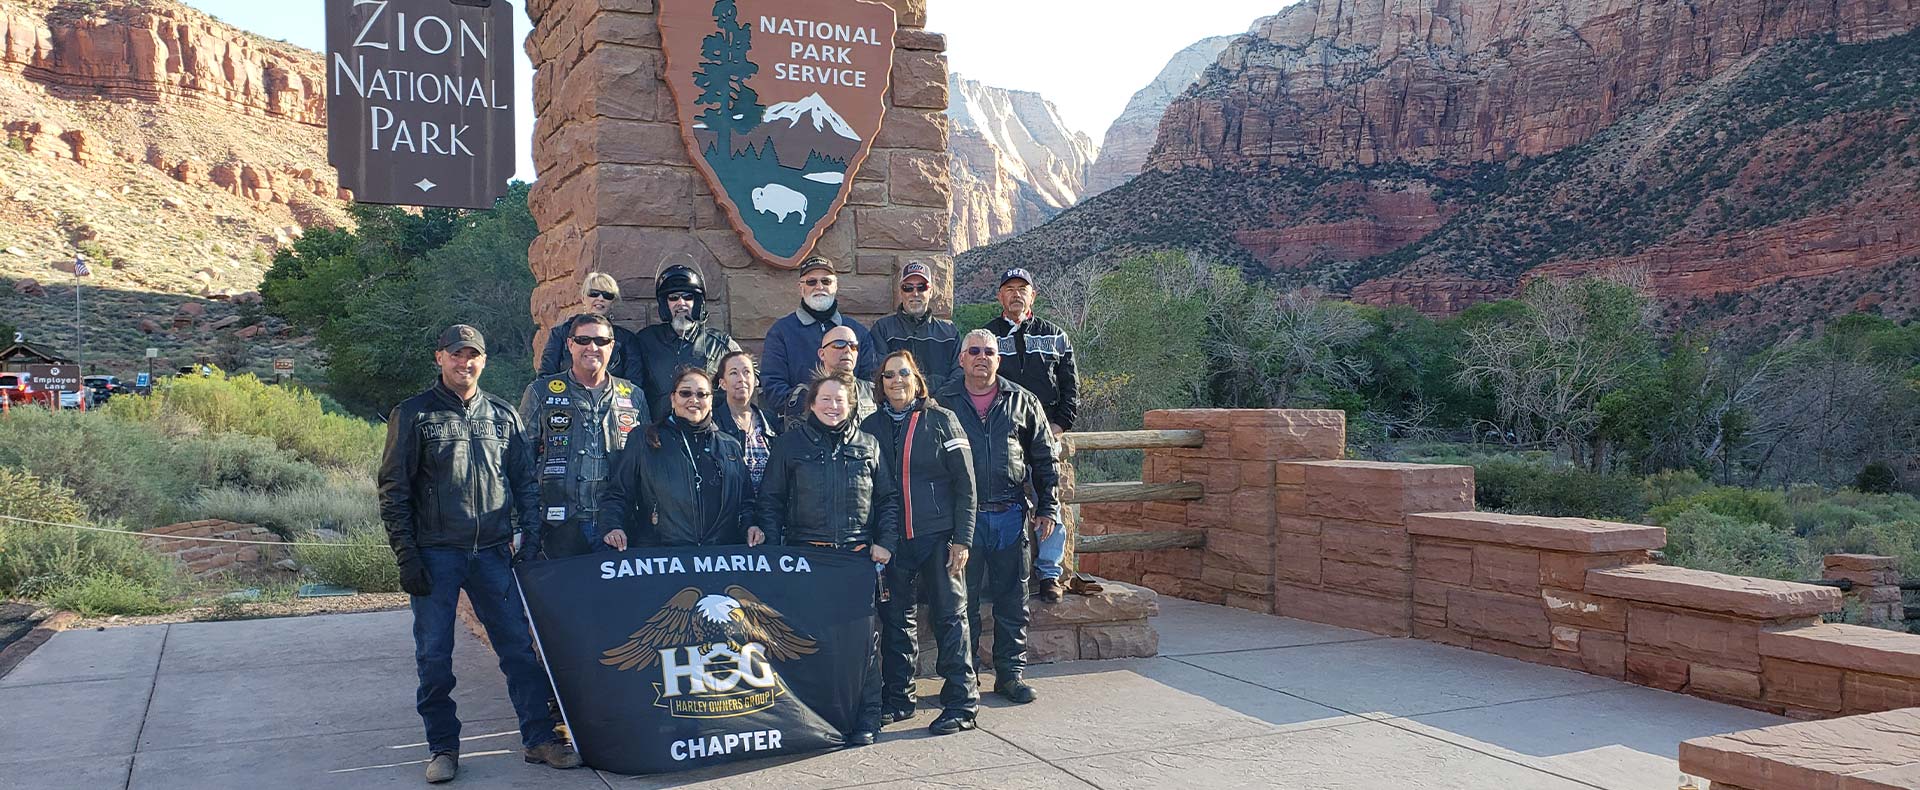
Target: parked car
(18, 391)
(101, 388)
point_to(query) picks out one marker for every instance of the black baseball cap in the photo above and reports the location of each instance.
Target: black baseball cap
(461, 336)
(1016, 274)
(815, 262)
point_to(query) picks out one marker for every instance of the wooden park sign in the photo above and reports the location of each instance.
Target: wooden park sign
(420, 100)
(779, 102)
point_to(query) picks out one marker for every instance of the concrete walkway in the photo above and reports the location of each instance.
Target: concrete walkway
(1237, 701)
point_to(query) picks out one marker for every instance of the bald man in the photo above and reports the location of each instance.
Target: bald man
(839, 353)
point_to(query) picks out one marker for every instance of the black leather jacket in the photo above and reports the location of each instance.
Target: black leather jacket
(456, 474)
(935, 479)
(935, 343)
(1011, 443)
(653, 496)
(826, 485)
(661, 353)
(1037, 355)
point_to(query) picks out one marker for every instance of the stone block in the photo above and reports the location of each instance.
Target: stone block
(1862, 692)
(1509, 618)
(615, 81)
(1297, 558)
(1261, 604)
(1565, 637)
(1506, 570)
(1255, 474)
(921, 40)
(909, 13)
(867, 193)
(915, 128)
(1744, 596)
(919, 79)
(1385, 493)
(1604, 653)
(1583, 610)
(1860, 562)
(1722, 642)
(1289, 474)
(1441, 634)
(920, 178)
(1044, 645)
(1429, 614)
(1118, 640)
(1297, 525)
(1441, 561)
(1801, 685)
(1116, 602)
(639, 195)
(1569, 571)
(1729, 683)
(1576, 535)
(1877, 751)
(1366, 579)
(1287, 434)
(1661, 672)
(1427, 592)
(1377, 615)
(1239, 552)
(1188, 419)
(1369, 544)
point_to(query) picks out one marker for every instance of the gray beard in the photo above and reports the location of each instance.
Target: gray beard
(682, 325)
(820, 304)
(917, 314)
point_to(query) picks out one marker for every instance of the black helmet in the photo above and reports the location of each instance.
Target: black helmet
(680, 280)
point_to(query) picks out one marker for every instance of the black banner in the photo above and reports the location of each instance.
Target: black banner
(670, 659)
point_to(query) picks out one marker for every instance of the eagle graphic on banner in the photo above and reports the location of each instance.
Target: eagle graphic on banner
(736, 619)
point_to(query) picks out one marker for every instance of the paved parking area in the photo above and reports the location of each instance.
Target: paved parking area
(1236, 700)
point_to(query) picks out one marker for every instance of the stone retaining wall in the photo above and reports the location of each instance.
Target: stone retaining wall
(203, 559)
(1397, 549)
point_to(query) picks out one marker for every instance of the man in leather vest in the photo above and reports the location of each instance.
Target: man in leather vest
(456, 489)
(681, 339)
(582, 417)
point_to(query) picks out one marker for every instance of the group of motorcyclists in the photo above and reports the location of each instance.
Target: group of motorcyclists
(930, 451)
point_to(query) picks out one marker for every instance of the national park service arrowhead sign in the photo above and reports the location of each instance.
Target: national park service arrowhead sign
(779, 102)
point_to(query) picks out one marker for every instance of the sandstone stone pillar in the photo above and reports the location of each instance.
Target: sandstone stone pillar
(1876, 586)
(617, 191)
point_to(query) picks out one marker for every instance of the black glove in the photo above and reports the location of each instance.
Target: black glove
(414, 577)
(529, 546)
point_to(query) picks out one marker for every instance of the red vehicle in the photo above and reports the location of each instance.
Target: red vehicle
(17, 391)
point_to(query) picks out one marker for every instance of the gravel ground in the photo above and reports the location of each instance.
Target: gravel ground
(298, 607)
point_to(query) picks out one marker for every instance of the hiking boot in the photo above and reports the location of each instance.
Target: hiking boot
(951, 722)
(443, 767)
(1014, 690)
(554, 753)
(1048, 590)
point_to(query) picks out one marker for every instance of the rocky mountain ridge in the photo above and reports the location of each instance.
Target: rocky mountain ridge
(1015, 163)
(1436, 155)
(1124, 148)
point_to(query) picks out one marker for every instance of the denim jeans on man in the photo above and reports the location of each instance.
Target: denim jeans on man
(1053, 551)
(487, 576)
(997, 574)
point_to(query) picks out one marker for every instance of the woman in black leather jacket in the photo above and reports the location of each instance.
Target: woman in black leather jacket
(685, 484)
(826, 487)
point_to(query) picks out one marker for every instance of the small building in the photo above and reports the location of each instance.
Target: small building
(18, 356)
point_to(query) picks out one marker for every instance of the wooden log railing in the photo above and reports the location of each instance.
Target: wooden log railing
(1073, 494)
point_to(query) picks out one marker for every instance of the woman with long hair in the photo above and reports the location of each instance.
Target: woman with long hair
(738, 415)
(685, 483)
(928, 456)
(825, 488)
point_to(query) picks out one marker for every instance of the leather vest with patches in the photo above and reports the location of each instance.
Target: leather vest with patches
(581, 433)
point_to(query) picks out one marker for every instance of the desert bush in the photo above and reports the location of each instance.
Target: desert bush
(107, 594)
(340, 504)
(1515, 485)
(1700, 538)
(1741, 504)
(43, 562)
(362, 560)
(292, 418)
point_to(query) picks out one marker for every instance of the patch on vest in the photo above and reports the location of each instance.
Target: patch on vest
(556, 386)
(560, 421)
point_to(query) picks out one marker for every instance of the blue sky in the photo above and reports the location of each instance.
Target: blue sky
(1087, 56)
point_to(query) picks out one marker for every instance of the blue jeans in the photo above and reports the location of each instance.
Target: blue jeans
(1053, 551)
(487, 576)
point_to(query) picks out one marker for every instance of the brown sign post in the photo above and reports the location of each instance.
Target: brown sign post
(420, 100)
(779, 103)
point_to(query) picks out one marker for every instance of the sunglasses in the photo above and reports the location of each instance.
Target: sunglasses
(817, 282)
(581, 340)
(693, 395)
(602, 295)
(680, 297)
(841, 344)
(977, 351)
(915, 289)
(896, 374)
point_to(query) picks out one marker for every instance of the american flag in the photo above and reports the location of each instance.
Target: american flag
(80, 267)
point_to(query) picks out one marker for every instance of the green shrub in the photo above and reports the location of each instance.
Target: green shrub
(341, 504)
(362, 561)
(1877, 478)
(1515, 485)
(968, 317)
(1700, 538)
(292, 418)
(42, 562)
(1741, 504)
(107, 594)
